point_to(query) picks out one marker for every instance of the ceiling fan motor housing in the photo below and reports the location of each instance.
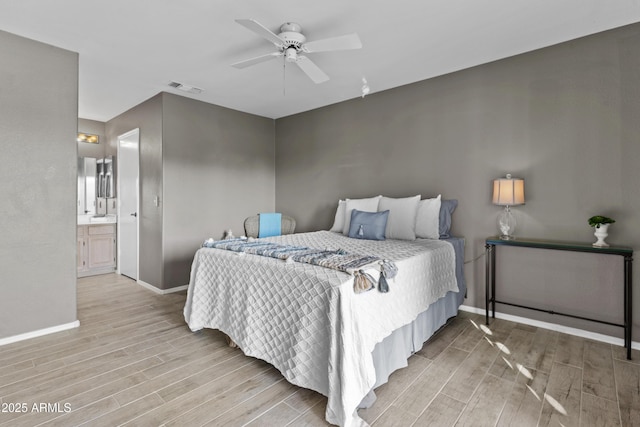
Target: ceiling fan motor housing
(290, 26)
(290, 33)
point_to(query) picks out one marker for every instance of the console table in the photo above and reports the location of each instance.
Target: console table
(490, 279)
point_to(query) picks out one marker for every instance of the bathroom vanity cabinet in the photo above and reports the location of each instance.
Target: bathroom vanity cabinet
(96, 252)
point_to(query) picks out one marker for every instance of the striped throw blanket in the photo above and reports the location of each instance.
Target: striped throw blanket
(339, 259)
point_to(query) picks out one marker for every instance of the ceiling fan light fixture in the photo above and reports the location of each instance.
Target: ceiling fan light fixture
(291, 54)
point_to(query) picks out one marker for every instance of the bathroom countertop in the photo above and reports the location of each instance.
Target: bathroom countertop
(92, 219)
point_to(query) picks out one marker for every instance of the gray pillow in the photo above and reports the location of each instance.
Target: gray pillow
(368, 225)
(446, 209)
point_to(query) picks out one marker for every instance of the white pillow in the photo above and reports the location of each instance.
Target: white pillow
(402, 216)
(338, 221)
(366, 205)
(428, 218)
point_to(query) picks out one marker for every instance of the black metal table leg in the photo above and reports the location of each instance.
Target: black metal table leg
(493, 281)
(487, 280)
(628, 314)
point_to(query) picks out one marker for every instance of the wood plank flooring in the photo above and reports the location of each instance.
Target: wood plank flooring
(134, 362)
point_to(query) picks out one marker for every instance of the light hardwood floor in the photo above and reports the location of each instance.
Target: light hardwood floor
(134, 362)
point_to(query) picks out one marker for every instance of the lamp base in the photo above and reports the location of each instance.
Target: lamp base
(506, 224)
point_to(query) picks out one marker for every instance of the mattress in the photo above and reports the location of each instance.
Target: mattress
(306, 320)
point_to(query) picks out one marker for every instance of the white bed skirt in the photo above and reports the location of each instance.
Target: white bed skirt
(393, 352)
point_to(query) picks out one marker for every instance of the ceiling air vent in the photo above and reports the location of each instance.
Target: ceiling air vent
(186, 88)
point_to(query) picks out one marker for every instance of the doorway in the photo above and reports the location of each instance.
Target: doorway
(129, 203)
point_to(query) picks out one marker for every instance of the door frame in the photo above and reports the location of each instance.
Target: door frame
(120, 139)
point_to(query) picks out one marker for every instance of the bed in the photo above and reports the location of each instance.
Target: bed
(308, 322)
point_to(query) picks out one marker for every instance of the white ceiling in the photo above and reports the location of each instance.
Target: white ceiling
(131, 49)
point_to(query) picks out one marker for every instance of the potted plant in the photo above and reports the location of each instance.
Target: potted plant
(598, 220)
(601, 224)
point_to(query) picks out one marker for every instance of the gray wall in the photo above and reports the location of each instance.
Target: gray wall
(38, 124)
(211, 167)
(565, 118)
(218, 168)
(148, 117)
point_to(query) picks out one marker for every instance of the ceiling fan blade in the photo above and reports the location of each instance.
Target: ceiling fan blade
(258, 59)
(346, 42)
(261, 30)
(311, 70)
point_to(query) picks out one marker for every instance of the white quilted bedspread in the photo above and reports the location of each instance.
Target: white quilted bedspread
(306, 320)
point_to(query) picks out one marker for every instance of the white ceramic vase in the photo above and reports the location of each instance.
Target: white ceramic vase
(601, 233)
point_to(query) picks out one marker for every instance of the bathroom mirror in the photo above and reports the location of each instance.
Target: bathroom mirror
(104, 176)
(96, 185)
(86, 185)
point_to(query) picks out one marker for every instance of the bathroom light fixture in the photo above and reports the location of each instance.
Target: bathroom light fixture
(508, 192)
(87, 137)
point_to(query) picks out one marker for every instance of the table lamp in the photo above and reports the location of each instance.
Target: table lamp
(508, 192)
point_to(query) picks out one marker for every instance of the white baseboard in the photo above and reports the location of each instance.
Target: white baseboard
(554, 327)
(176, 289)
(161, 291)
(39, 333)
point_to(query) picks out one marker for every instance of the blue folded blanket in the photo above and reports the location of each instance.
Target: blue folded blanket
(270, 224)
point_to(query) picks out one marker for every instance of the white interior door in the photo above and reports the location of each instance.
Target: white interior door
(128, 206)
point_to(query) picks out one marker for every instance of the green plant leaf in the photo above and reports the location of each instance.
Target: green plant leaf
(597, 220)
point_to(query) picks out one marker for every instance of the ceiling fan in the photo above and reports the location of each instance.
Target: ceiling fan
(290, 42)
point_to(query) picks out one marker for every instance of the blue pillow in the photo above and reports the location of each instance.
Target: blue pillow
(368, 225)
(446, 209)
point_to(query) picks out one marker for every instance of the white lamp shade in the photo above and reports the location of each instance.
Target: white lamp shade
(508, 191)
